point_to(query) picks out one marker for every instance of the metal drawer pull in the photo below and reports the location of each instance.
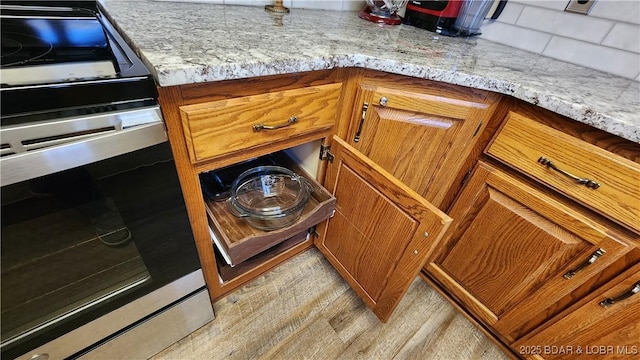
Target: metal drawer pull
(584, 181)
(609, 301)
(365, 106)
(292, 120)
(596, 254)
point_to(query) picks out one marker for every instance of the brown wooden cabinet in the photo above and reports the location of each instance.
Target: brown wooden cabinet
(420, 131)
(199, 103)
(216, 128)
(604, 182)
(531, 238)
(382, 231)
(525, 244)
(378, 251)
(605, 325)
(516, 252)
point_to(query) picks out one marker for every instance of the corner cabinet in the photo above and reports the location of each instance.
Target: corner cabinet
(545, 220)
(517, 252)
(379, 232)
(542, 212)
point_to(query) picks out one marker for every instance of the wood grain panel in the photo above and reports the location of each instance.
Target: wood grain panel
(382, 232)
(421, 135)
(512, 244)
(220, 90)
(230, 273)
(522, 141)
(590, 330)
(587, 133)
(366, 259)
(418, 102)
(241, 241)
(170, 100)
(220, 127)
(512, 269)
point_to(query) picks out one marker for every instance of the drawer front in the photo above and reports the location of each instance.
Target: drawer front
(222, 127)
(610, 184)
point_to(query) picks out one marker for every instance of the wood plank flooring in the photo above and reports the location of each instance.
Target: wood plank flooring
(304, 310)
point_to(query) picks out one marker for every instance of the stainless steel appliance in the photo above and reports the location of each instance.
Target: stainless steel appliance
(471, 15)
(98, 259)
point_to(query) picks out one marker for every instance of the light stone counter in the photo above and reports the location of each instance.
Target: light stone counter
(196, 42)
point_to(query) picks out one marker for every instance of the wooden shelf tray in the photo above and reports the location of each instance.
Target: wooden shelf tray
(228, 272)
(238, 241)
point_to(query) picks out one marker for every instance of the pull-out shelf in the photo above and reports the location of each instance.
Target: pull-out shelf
(237, 241)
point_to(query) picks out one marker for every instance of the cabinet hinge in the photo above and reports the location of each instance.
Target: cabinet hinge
(365, 106)
(325, 153)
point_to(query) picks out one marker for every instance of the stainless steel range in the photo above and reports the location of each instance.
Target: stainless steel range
(98, 258)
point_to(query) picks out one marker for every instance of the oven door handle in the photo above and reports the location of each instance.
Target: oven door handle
(109, 135)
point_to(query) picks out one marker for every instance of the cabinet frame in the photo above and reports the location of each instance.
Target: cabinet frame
(171, 99)
(347, 120)
(399, 273)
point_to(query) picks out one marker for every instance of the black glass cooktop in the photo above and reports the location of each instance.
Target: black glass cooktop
(55, 44)
(39, 41)
(65, 57)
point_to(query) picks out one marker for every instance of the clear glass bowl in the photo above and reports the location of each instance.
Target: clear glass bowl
(269, 197)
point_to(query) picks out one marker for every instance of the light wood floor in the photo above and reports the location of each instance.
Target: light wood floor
(304, 310)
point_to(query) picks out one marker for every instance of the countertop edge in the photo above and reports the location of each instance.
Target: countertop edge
(231, 71)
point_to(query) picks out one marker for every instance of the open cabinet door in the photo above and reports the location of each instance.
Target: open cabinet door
(382, 231)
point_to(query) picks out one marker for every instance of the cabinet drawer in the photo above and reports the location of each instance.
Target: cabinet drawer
(522, 142)
(221, 127)
(238, 241)
(606, 325)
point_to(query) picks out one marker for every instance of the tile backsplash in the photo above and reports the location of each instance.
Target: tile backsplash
(608, 39)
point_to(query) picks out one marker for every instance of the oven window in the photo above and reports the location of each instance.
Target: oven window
(79, 243)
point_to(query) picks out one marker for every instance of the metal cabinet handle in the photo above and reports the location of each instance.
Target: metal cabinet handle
(365, 106)
(596, 254)
(292, 120)
(584, 181)
(609, 301)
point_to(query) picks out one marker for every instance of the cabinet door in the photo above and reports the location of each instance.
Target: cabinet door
(381, 232)
(594, 330)
(515, 252)
(422, 139)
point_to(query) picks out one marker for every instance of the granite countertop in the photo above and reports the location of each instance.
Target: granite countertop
(187, 43)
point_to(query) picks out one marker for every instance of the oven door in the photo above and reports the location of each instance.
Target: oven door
(80, 243)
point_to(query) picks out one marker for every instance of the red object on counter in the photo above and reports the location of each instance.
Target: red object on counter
(367, 15)
(449, 9)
